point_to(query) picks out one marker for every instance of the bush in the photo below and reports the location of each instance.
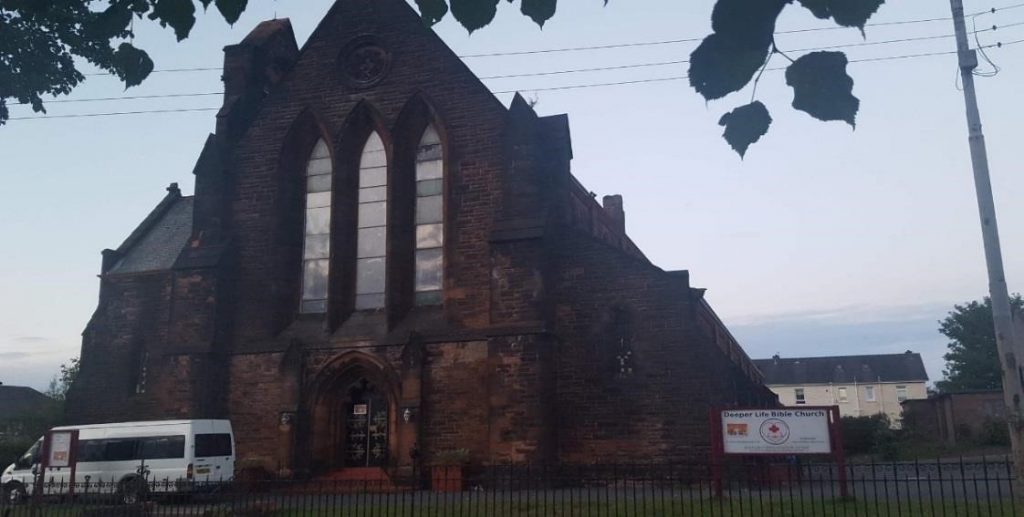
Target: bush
(863, 435)
(994, 433)
(12, 449)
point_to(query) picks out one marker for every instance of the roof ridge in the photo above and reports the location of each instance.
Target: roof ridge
(154, 216)
(894, 354)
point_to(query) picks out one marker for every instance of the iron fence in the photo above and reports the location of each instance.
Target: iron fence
(946, 488)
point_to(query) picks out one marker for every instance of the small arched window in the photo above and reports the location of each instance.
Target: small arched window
(429, 219)
(371, 241)
(316, 250)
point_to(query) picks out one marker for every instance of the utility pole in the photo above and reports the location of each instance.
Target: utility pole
(1009, 354)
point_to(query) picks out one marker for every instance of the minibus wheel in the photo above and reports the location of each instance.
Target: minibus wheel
(131, 491)
(14, 493)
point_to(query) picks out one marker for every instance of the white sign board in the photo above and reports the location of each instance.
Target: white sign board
(60, 449)
(776, 431)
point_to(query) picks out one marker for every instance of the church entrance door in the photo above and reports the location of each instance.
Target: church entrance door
(366, 426)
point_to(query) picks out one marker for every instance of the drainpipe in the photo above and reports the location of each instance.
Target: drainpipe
(856, 397)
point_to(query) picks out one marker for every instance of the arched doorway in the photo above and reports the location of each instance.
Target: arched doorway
(352, 416)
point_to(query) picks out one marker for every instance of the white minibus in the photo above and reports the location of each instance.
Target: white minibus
(128, 459)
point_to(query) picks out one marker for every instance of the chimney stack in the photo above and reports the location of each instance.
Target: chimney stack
(613, 207)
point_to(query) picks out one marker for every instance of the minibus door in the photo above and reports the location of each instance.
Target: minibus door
(213, 457)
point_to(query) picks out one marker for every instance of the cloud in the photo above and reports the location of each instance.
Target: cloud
(13, 356)
(848, 331)
(30, 339)
(850, 313)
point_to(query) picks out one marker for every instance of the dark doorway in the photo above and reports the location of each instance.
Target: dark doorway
(366, 426)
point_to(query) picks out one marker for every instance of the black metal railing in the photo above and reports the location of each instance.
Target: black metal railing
(946, 488)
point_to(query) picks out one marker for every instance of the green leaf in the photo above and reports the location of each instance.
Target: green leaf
(820, 8)
(745, 125)
(112, 22)
(728, 59)
(179, 14)
(131, 64)
(848, 13)
(854, 13)
(231, 9)
(474, 14)
(822, 88)
(748, 21)
(720, 65)
(539, 11)
(432, 11)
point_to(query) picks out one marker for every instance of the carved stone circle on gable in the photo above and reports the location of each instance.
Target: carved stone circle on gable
(364, 61)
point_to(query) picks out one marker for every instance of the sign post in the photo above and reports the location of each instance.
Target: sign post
(59, 449)
(808, 430)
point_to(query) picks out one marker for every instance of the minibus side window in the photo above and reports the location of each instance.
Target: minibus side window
(120, 449)
(90, 450)
(163, 447)
(209, 445)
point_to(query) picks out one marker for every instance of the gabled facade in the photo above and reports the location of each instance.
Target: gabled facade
(861, 385)
(381, 262)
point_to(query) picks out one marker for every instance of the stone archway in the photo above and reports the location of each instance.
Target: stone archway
(353, 415)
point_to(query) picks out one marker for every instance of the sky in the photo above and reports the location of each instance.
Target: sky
(824, 240)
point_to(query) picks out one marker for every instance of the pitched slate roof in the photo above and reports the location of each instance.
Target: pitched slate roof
(905, 367)
(160, 242)
(16, 400)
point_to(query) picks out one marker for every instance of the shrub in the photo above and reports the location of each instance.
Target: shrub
(994, 433)
(861, 435)
(12, 449)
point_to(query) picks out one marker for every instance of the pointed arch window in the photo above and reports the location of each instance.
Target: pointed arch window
(371, 240)
(429, 218)
(316, 250)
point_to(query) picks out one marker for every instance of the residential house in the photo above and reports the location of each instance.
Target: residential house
(861, 385)
(25, 412)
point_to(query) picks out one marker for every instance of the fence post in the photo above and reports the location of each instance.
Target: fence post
(717, 450)
(839, 452)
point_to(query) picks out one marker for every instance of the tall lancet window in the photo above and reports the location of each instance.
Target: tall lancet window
(429, 219)
(316, 252)
(372, 244)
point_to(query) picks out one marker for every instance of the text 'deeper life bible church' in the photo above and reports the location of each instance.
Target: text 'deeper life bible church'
(382, 263)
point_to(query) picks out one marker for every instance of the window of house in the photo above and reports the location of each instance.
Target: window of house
(843, 395)
(869, 393)
(429, 219)
(901, 393)
(800, 398)
(316, 251)
(371, 239)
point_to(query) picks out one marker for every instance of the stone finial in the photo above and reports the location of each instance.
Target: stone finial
(173, 189)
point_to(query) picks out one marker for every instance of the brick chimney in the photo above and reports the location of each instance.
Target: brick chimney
(613, 206)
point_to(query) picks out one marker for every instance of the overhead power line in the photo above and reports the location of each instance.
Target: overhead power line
(552, 88)
(638, 44)
(584, 70)
(110, 114)
(701, 38)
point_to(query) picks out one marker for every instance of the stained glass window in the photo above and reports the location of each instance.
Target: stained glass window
(429, 219)
(316, 250)
(371, 239)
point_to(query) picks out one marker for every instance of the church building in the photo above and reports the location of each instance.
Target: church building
(382, 263)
